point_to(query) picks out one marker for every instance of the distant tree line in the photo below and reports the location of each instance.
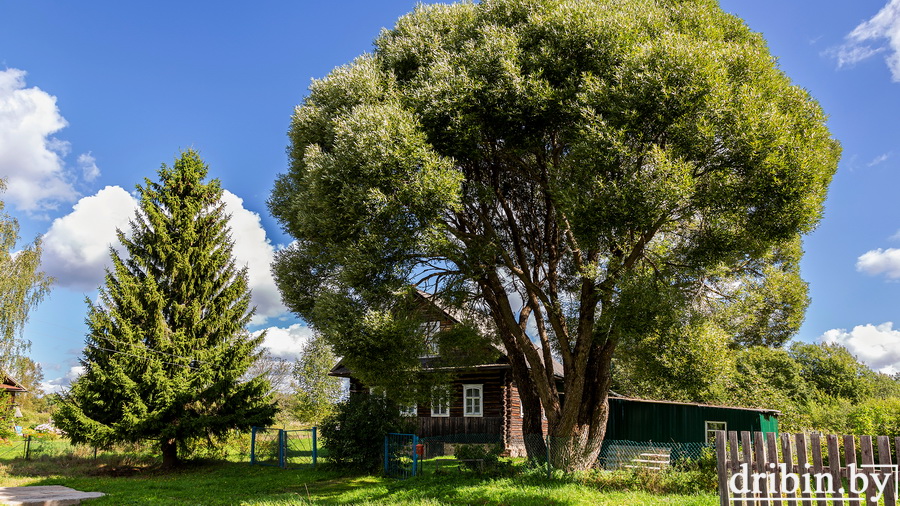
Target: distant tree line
(815, 386)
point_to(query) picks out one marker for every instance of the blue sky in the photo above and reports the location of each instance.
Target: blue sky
(95, 95)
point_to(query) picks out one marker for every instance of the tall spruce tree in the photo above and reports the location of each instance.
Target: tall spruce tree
(167, 344)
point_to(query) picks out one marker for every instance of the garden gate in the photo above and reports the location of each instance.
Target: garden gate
(283, 448)
(401, 455)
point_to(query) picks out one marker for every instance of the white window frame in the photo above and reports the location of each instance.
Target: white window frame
(409, 411)
(429, 330)
(711, 432)
(440, 408)
(480, 398)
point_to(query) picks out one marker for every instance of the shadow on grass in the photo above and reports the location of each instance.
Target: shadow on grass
(70, 466)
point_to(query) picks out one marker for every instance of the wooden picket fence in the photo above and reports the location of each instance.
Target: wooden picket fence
(809, 457)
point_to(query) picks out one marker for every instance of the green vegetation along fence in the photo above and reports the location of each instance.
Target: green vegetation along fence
(455, 450)
(283, 448)
(36, 447)
(621, 454)
(30, 447)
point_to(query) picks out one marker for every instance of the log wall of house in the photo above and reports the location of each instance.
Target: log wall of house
(492, 421)
(501, 410)
(492, 392)
(450, 426)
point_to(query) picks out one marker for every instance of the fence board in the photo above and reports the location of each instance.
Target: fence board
(850, 458)
(788, 457)
(834, 465)
(776, 480)
(761, 466)
(722, 467)
(868, 459)
(772, 448)
(735, 462)
(884, 459)
(802, 465)
(815, 443)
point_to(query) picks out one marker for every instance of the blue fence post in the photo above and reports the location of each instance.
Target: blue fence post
(282, 442)
(252, 445)
(415, 455)
(386, 454)
(314, 448)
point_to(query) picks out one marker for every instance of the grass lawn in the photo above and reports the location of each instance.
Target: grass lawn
(136, 482)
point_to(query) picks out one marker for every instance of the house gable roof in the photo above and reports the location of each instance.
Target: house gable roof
(11, 385)
(432, 363)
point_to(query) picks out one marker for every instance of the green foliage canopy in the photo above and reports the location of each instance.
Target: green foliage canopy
(613, 165)
(167, 344)
(834, 370)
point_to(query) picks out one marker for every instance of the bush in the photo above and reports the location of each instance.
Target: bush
(354, 432)
(488, 454)
(670, 481)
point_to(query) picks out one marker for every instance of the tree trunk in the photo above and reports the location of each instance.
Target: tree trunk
(576, 438)
(532, 421)
(169, 449)
(578, 448)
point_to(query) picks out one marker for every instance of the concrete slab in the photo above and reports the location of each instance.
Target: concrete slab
(50, 495)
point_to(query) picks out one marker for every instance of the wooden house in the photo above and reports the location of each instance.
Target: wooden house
(483, 406)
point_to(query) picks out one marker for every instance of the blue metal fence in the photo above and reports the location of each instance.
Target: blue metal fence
(300, 448)
(401, 455)
(283, 448)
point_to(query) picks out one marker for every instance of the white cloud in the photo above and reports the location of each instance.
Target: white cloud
(286, 342)
(879, 159)
(88, 164)
(76, 248)
(30, 159)
(57, 385)
(877, 346)
(253, 249)
(880, 261)
(879, 34)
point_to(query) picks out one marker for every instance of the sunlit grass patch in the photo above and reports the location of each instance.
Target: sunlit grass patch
(221, 482)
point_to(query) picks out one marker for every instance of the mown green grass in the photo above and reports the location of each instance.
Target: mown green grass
(139, 482)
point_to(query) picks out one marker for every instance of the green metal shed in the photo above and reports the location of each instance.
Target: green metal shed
(681, 422)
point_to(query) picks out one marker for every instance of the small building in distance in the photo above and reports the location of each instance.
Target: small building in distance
(682, 422)
(12, 388)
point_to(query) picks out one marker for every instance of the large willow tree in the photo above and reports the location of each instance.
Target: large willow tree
(580, 173)
(167, 344)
